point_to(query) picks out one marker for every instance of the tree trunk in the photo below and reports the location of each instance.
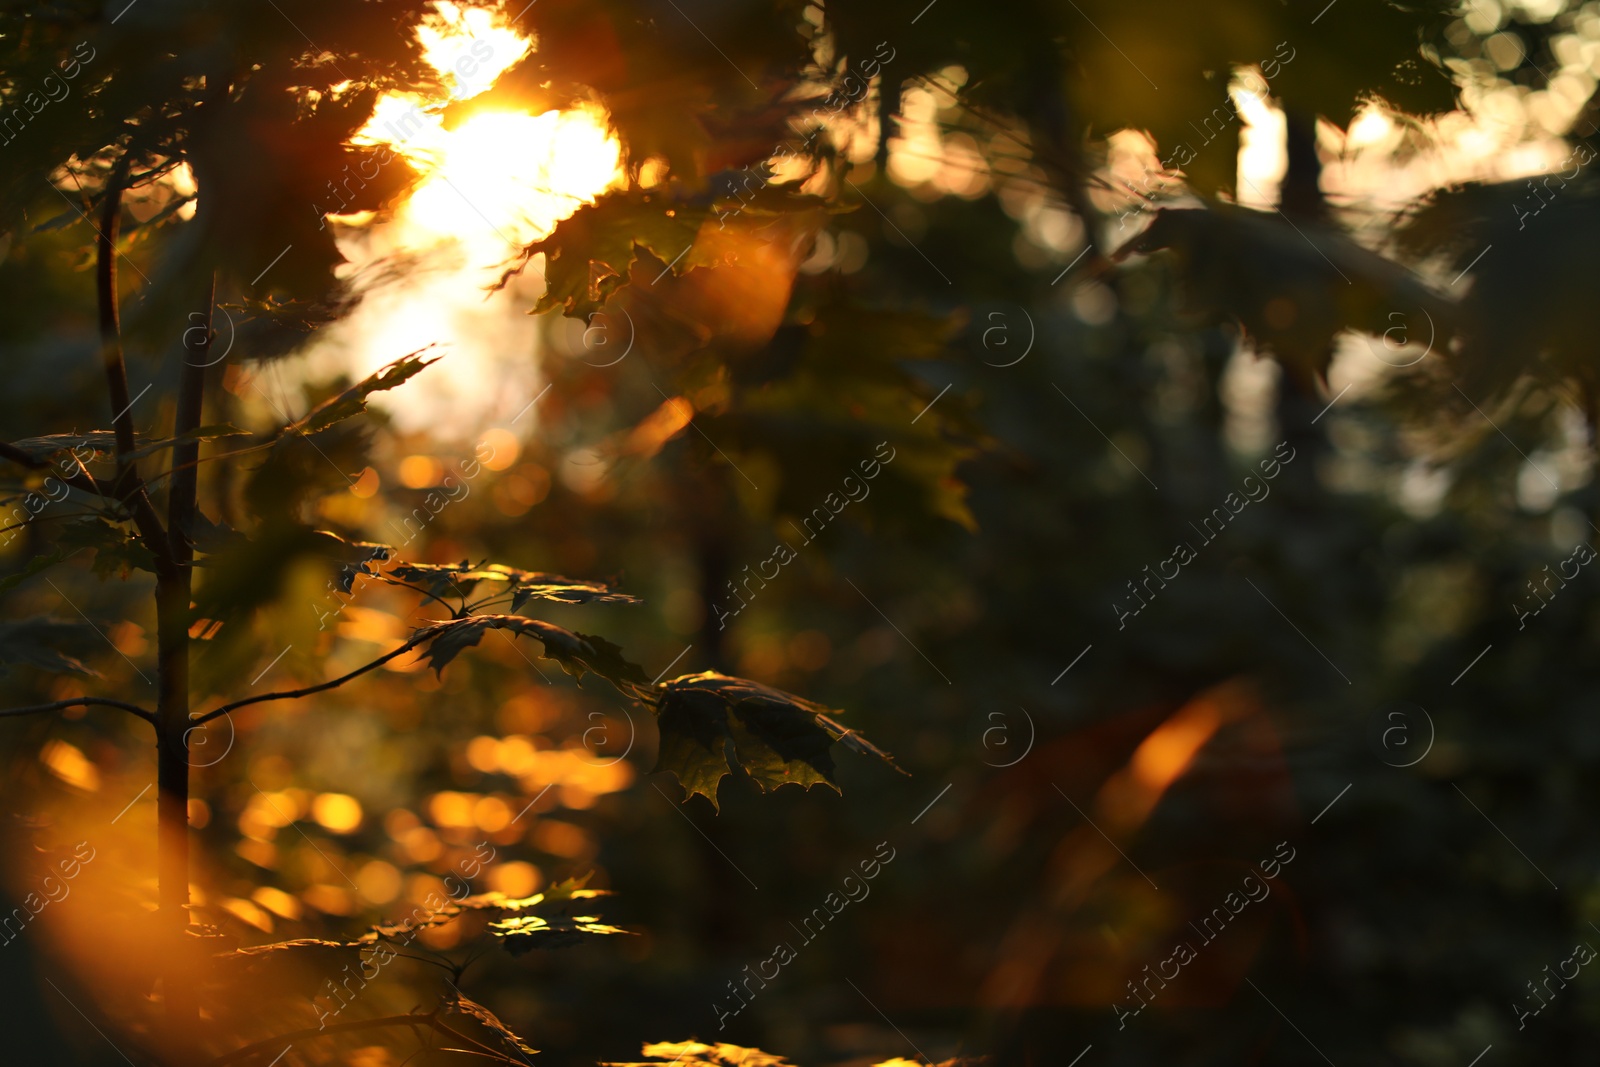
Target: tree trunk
(174, 592)
(1300, 199)
(172, 781)
(172, 656)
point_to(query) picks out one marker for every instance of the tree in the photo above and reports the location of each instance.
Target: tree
(247, 74)
(813, 310)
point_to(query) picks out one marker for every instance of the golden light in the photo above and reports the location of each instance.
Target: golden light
(337, 812)
(68, 763)
(496, 180)
(1262, 156)
(499, 177)
(278, 902)
(452, 809)
(467, 44)
(515, 879)
(502, 447)
(483, 753)
(558, 838)
(659, 427)
(508, 176)
(330, 899)
(516, 755)
(420, 472)
(491, 814)
(1370, 127)
(421, 844)
(366, 484)
(1130, 795)
(379, 881)
(248, 912)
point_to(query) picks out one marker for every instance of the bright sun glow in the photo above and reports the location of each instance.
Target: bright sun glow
(491, 184)
(499, 177)
(466, 43)
(513, 174)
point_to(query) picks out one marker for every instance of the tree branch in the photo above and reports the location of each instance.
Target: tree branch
(416, 639)
(81, 702)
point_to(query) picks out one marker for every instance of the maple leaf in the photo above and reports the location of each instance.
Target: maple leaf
(778, 738)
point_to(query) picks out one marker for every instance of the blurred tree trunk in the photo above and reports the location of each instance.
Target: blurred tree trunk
(1300, 199)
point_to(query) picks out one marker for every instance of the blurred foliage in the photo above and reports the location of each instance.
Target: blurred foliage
(885, 443)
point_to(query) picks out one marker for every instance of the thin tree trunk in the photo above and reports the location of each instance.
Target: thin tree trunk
(172, 662)
(172, 783)
(128, 487)
(174, 593)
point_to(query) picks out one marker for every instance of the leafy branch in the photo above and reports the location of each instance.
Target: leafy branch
(776, 737)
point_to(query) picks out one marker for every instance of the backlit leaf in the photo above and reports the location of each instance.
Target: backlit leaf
(577, 653)
(696, 1054)
(353, 401)
(778, 738)
(456, 579)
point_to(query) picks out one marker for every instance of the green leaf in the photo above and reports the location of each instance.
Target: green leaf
(576, 652)
(778, 738)
(30, 642)
(456, 579)
(353, 401)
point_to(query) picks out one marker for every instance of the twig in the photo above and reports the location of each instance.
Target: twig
(294, 694)
(81, 702)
